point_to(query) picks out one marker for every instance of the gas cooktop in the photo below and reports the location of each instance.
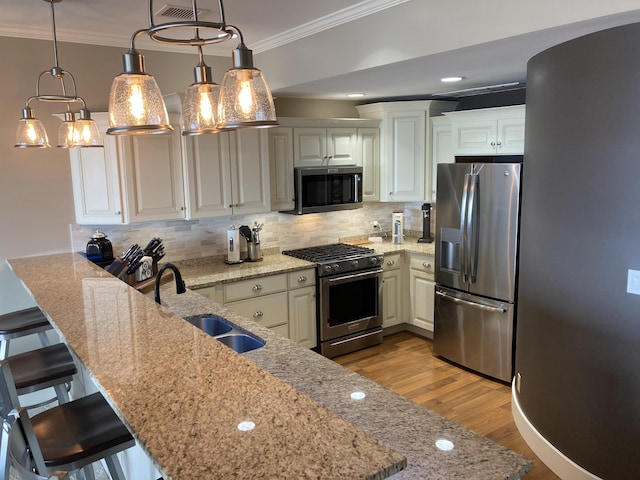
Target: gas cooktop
(338, 257)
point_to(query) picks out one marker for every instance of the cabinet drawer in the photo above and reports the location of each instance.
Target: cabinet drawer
(254, 287)
(424, 264)
(282, 330)
(392, 261)
(267, 310)
(302, 278)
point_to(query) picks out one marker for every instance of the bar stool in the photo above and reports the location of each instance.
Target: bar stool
(65, 438)
(20, 324)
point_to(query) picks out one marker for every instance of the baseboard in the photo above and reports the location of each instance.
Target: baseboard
(550, 455)
(402, 327)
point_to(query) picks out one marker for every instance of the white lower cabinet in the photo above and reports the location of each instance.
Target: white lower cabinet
(392, 298)
(302, 307)
(421, 291)
(284, 303)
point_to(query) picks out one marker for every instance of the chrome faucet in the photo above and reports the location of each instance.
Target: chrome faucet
(180, 286)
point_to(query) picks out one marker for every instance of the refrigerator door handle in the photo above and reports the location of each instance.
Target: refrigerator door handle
(472, 235)
(480, 306)
(463, 229)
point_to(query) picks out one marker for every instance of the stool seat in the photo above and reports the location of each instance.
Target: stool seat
(28, 320)
(72, 432)
(41, 368)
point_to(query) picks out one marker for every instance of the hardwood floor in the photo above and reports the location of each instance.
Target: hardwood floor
(405, 364)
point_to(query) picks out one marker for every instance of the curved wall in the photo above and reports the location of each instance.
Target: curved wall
(578, 332)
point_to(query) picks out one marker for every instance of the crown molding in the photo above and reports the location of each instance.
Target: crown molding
(318, 25)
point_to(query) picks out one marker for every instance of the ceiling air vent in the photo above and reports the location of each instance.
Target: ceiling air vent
(503, 87)
(180, 11)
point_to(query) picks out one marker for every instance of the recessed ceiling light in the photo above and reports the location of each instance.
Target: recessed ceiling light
(451, 79)
(355, 95)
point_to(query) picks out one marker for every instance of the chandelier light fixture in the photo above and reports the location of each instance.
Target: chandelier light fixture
(72, 133)
(243, 100)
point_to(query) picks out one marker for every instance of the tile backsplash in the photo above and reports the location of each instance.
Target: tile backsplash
(187, 239)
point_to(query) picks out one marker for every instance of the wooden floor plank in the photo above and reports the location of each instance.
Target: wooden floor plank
(405, 364)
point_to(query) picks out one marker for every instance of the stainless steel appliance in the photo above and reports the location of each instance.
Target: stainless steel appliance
(349, 296)
(476, 264)
(327, 188)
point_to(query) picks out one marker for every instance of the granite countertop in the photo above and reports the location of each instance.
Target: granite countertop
(208, 271)
(316, 387)
(183, 394)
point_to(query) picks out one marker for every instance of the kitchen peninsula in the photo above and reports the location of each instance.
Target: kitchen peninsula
(182, 393)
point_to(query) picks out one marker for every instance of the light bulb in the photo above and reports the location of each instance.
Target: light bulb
(136, 102)
(246, 99)
(206, 109)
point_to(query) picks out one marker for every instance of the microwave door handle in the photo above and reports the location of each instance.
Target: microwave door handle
(356, 181)
(463, 229)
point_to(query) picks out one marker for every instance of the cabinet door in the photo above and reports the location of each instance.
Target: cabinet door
(341, 146)
(267, 310)
(309, 147)
(368, 156)
(250, 171)
(208, 175)
(475, 137)
(511, 136)
(281, 168)
(441, 153)
(405, 154)
(96, 184)
(391, 297)
(422, 292)
(152, 169)
(302, 316)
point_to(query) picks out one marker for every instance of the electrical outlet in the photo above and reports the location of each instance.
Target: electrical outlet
(633, 282)
(375, 225)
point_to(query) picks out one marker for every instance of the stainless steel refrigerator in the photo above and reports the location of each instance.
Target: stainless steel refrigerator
(477, 219)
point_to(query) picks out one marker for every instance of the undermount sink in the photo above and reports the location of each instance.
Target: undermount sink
(230, 334)
(240, 342)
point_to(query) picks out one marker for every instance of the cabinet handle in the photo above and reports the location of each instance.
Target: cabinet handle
(257, 288)
(258, 314)
(426, 264)
(493, 144)
(499, 144)
(118, 212)
(390, 262)
(302, 279)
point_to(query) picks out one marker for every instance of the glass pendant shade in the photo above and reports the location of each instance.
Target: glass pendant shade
(67, 131)
(136, 106)
(245, 100)
(86, 132)
(200, 109)
(31, 132)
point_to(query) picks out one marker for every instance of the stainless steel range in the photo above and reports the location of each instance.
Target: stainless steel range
(349, 294)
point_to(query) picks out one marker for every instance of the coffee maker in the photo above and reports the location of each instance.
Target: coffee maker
(426, 224)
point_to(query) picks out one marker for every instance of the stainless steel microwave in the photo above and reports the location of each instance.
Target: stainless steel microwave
(327, 189)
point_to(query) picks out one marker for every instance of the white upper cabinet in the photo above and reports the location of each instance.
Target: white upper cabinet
(324, 146)
(227, 173)
(151, 178)
(281, 168)
(441, 148)
(368, 156)
(132, 179)
(488, 131)
(405, 147)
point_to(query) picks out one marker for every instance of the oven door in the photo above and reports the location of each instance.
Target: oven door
(350, 303)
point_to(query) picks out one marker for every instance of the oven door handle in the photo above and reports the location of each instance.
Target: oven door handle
(353, 276)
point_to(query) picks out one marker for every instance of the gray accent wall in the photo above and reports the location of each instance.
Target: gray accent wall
(578, 333)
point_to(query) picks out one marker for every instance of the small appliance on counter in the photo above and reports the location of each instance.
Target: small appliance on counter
(252, 236)
(397, 227)
(233, 246)
(426, 224)
(99, 249)
(136, 264)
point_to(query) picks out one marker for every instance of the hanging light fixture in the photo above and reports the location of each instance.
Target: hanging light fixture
(244, 100)
(82, 133)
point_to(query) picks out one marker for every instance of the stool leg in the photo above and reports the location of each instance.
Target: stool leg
(4, 349)
(89, 474)
(44, 340)
(5, 464)
(115, 469)
(62, 393)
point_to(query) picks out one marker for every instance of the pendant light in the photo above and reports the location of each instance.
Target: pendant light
(32, 134)
(244, 100)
